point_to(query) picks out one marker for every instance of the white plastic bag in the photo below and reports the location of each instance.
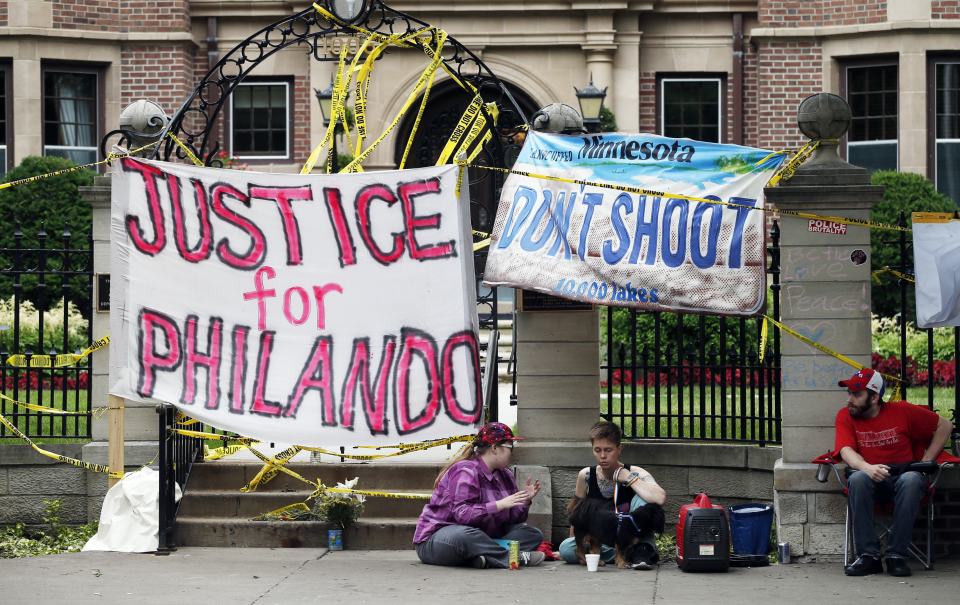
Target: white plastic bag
(130, 517)
(936, 265)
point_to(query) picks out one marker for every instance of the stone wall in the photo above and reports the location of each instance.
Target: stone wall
(729, 474)
(811, 515)
(27, 479)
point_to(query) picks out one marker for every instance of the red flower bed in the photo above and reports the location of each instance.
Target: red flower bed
(687, 375)
(944, 371)
(34, 381)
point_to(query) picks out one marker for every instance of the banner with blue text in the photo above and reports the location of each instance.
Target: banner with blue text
(303, 309)
(657, 251)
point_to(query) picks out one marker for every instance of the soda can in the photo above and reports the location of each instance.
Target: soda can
(335, 539)
(783, 552)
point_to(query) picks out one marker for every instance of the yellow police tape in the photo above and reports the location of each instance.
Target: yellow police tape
(97, 412)
(895, 273)
(186, 150)
(664, 194)
(97, 468)
(55, 361)
(430, 40)
(110, 157)
(836, 355)
(276, 464)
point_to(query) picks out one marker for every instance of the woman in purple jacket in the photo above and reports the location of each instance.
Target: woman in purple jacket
(476, 500)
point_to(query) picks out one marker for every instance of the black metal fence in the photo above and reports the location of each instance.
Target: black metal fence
(176, 457)
(699, 377)
(46, 282)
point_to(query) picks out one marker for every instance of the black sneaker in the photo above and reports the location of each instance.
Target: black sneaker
(865, 565)
(479, 562)
(897, 566)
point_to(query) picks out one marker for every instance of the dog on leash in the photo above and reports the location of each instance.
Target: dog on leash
(595, 523)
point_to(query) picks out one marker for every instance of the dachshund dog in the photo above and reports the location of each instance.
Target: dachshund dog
(595, 523)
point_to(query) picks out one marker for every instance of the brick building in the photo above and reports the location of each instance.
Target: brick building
(731, 70)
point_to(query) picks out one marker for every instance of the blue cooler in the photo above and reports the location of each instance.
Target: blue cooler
(750, 528)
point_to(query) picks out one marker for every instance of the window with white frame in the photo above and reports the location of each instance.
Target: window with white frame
(260, 120)
(872, 95)
(70, 114)
(691, 108)
(947, 130)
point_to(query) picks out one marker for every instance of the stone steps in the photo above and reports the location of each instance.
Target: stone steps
(369, 533)
(215, 513)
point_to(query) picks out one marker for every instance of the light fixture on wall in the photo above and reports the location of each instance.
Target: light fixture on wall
(591, 104)
(348, 10)
(325, 99)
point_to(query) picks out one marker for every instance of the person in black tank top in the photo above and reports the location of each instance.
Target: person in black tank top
(633, 486)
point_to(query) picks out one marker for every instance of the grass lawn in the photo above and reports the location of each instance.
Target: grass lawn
(46, 428)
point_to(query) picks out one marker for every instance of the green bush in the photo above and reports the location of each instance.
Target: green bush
(53, 325)
(904, 192)
(52, 205)
(608, 121)
(645, 333)
(57, 538)
(886, 340)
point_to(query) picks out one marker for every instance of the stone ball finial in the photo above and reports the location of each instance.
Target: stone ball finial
(144, 118)
(558, 118)
(823, 116)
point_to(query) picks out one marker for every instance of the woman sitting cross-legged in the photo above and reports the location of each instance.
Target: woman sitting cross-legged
(476, 500)
(632, 486)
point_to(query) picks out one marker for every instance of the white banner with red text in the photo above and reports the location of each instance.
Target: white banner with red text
(307, 309)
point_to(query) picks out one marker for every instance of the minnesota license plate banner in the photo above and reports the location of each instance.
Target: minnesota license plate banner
(653, 252)
(316, 310)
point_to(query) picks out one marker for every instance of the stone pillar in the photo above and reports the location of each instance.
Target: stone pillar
(625, 96)
(599, 48)
(558, 374)
(140, 419)
(825, 296)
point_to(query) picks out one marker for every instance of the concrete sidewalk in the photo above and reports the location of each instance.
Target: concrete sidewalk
(293, 576)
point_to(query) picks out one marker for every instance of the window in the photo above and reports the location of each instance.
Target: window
(4, 121)
(692, 108)
(260, 119)
(71, 114)
(872, 95)
(947, 129)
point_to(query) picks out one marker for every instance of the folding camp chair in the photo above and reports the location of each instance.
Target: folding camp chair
(933, 471)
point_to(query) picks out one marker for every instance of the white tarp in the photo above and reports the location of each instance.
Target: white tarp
(654, 252)
(130, 517)
(936, 265)
(316, 310)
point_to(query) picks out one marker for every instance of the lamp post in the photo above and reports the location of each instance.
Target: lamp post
(325, 98)
(591, 104)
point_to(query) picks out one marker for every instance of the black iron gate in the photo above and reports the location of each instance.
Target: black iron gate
(700, 377)
(50, 277)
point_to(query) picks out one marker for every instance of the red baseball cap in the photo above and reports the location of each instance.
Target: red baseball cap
(493, 433)
(864, 379)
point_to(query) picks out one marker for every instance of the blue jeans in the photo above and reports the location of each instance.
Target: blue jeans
(906, 490)
(568, 548)
(460, 545)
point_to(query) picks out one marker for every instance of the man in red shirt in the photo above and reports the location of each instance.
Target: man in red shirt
(877, 440)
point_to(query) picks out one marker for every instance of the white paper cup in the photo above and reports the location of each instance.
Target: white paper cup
(593, 562)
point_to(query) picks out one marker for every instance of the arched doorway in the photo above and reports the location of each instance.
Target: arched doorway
(446, 104)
